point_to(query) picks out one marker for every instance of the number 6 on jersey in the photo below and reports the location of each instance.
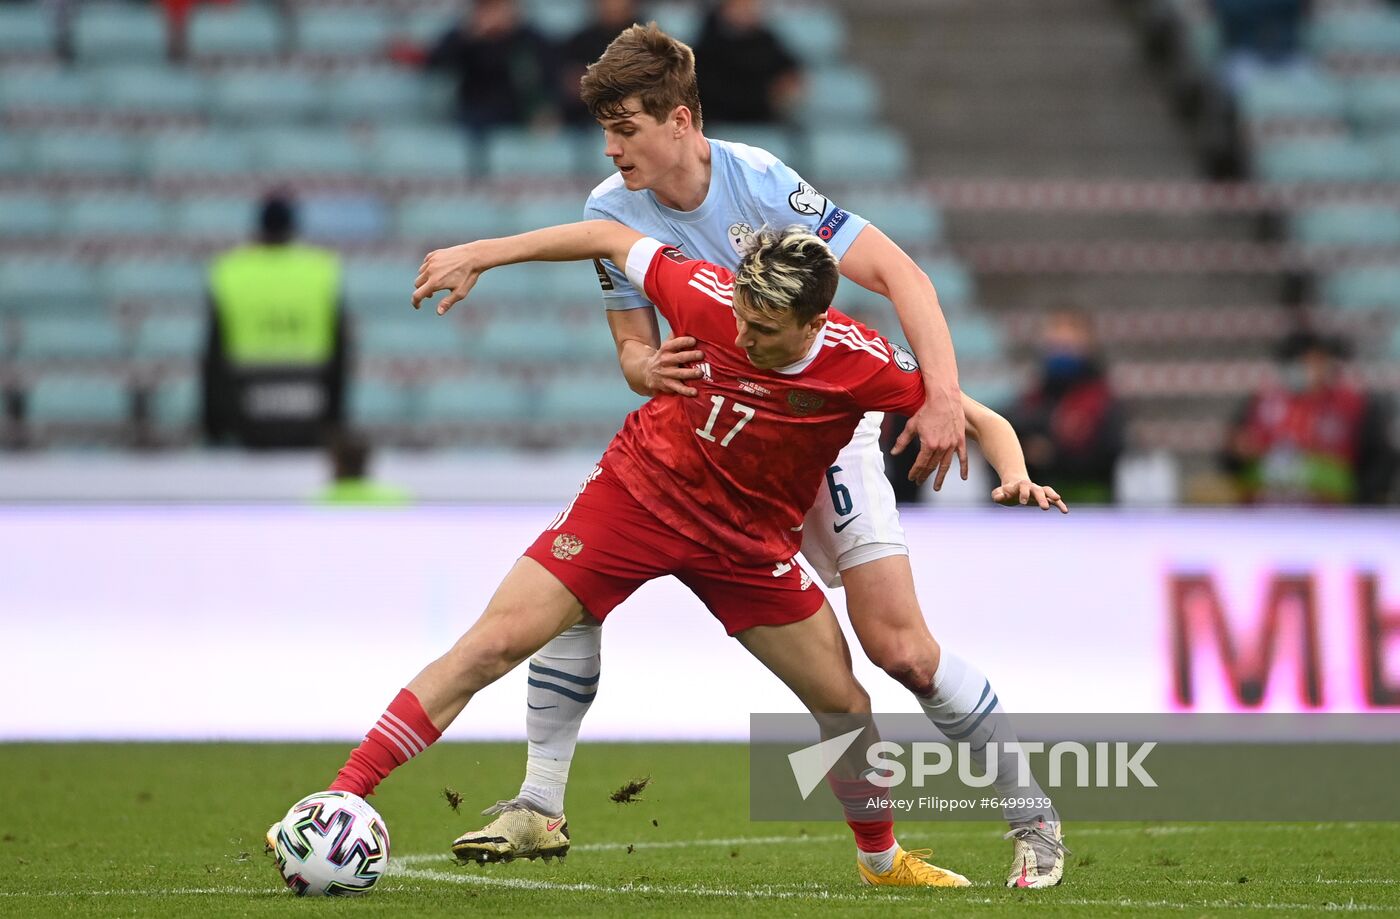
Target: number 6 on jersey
(708, 431)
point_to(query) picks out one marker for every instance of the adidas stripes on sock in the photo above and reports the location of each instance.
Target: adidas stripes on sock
(563, 681)
(401, 733)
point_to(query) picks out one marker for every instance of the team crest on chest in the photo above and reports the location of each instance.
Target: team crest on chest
(804, 403)
(740, 237)
(566, 546)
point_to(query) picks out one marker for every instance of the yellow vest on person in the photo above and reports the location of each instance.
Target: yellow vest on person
(277, 304)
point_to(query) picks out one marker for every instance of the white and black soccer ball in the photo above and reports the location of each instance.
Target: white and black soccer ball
(332, 843)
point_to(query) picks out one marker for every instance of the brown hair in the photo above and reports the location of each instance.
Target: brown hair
(787, 271)
(642, 61)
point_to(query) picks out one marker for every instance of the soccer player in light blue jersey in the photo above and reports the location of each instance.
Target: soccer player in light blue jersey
(707, 197)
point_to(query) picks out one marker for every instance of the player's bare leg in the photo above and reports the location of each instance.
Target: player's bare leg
(885, 614)
(812, 658)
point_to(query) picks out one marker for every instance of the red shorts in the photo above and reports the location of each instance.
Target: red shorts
(605, 545)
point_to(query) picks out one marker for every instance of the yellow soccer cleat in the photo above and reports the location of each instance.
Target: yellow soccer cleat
(910, 870)
(517, 832)
(270, 841)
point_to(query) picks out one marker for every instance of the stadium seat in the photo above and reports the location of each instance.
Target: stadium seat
(772, 138)
(997, 390)
(527, 290)
(840, 154)
(1394, 353)
(845, 95)
(957, 290)
(536, 212)
(263, 97)
(211, 153)
(103, 32)
(513, 338)
(246, 29)
(1386, 149)
(976, 338)
(28, 215)
(677, 18)
(815, 33)
(152, 280)
(409, 336)
(77, 398)
(1351, 32)
(70, 337)
(220, 218)
(164, 338)
(115, 215)
(1331, 159)
(419, 153)
(344, 218)
(46, 90)
(1292, 93)
(424, 25)
(360, 32)
(512, 154)
(587, 399)
(379, 402)
(308, 151)
(474, 398)
(384, 96)
(909, 220)
(452, 219)
(1373, 287)
(28, 29)
(30, 284)
(175, 404)
(380, 287)
(1347, 225)
(15, 158)
(558, 19)
(85, 153)
(161, 90)
(1374, 103)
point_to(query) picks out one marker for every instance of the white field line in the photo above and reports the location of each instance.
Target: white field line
(770, 892)
(268, 891)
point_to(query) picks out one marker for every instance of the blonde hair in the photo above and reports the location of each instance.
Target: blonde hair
(642, 61)
(787, 271)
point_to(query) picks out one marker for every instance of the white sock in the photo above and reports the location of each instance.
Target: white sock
(965, 708)
(878, 862)
(563, 681)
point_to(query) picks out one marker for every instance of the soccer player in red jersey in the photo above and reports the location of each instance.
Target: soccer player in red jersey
(714, 490)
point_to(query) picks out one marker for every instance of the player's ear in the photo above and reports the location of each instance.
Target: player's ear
(815, 324)
(682, 118)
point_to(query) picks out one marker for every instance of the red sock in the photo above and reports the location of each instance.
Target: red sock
(873, 826)
(401, 733)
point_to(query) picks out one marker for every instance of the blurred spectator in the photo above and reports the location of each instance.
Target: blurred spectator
(1258, 33)
(1309, 436)
(351, 483)
(502, 66)
(1069, 422)
(584, 47)
(745, 73)
(274, 366)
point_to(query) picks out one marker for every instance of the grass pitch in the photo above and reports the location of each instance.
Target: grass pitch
(176, 830)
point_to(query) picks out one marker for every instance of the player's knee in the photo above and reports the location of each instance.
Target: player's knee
(908, 663)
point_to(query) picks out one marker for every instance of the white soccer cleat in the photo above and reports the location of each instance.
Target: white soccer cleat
(1038, 858)
(517, 832)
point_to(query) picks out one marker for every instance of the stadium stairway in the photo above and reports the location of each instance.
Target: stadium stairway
(1069, 97)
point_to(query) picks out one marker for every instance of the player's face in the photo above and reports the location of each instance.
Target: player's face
(643, 149)
(773, 341)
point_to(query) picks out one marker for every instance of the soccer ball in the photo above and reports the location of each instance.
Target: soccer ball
(332, 843)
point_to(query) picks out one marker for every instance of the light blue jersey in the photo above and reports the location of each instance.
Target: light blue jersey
(749, 188)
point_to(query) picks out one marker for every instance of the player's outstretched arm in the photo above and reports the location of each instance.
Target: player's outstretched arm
(1002, 449)
(874, 262)
(457, 269)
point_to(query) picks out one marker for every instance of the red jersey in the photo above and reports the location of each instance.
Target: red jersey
(737, 467)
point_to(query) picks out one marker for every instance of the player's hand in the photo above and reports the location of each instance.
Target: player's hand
(666, 370)
(1024, 491)
(454, 270)
(941, 428)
